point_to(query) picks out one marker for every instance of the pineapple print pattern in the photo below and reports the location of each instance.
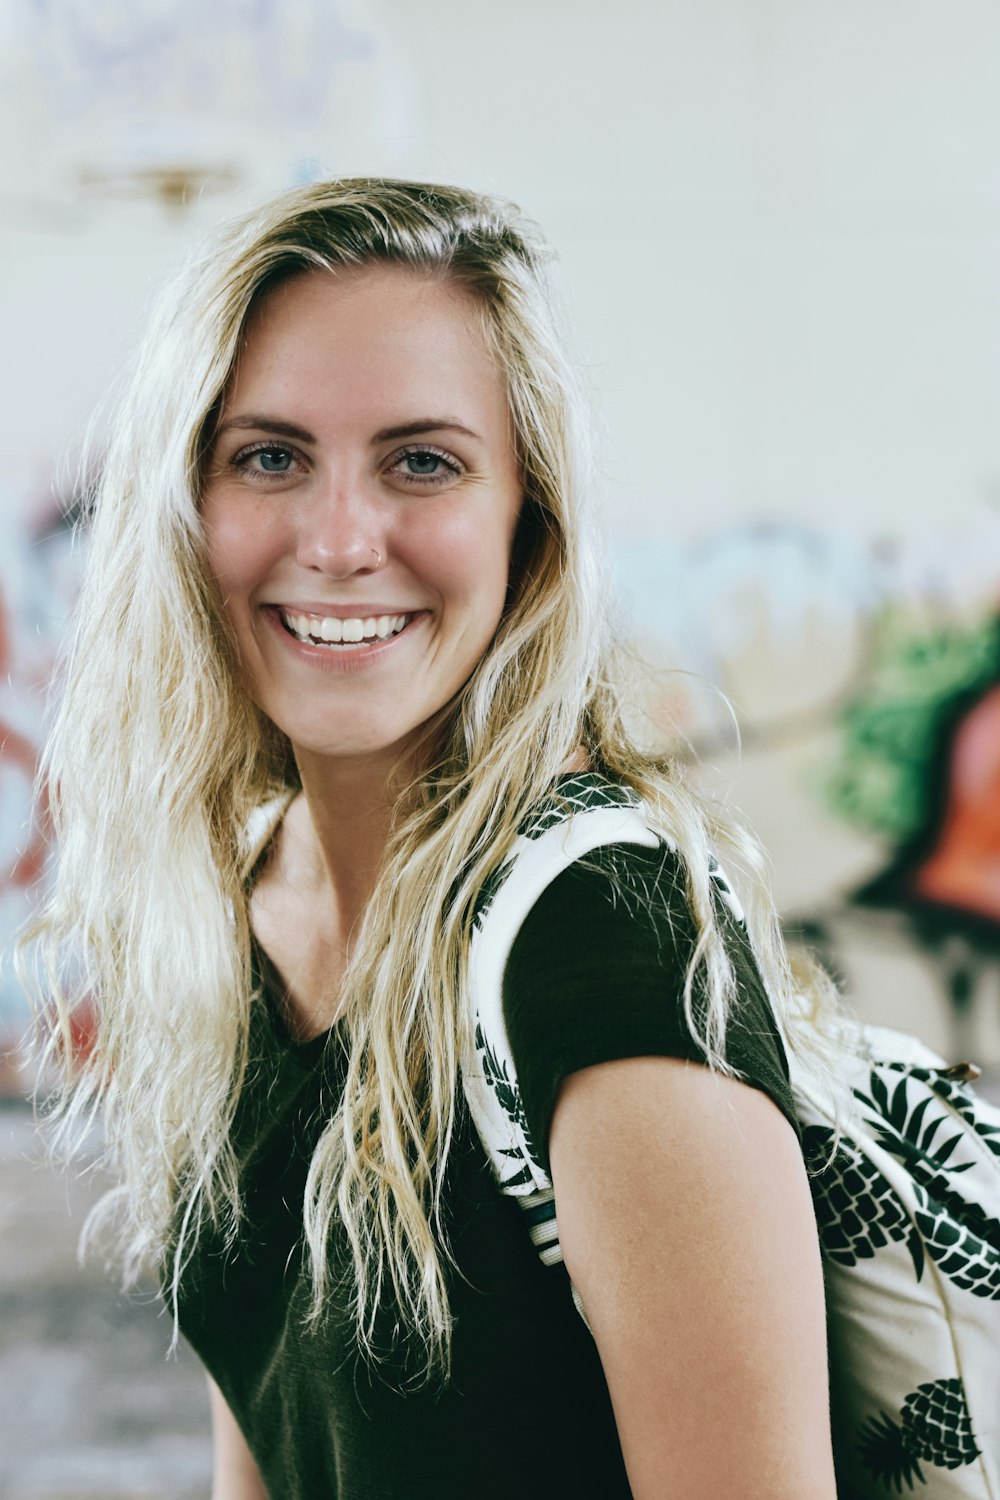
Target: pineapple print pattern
(509, 1099)
(857, 1211)
(962, 1240)
(957, 1249)
(962, 1100)
(934, 1427)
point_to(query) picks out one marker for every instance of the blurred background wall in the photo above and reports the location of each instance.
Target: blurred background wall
(778, 222)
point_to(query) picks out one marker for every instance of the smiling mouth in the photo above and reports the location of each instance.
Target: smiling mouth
(342, 635)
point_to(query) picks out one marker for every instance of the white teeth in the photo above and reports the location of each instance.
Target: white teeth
(328, 628)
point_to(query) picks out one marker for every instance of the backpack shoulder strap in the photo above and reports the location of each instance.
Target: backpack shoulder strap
(585, 813)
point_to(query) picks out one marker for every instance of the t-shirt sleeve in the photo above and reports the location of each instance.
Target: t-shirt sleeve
(597, 973)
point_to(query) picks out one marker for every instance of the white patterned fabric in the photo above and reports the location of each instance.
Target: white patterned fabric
(907, 1199)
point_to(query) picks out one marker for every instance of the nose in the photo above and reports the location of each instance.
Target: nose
(340, 535)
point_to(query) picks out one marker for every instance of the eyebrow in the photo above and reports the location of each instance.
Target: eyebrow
(254, 420)
(422, 425)
(263, 423)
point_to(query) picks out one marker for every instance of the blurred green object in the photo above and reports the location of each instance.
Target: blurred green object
(890, 775)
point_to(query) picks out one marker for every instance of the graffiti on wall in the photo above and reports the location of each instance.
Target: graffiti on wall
(920, 763)
(786, 635)
(38, 576)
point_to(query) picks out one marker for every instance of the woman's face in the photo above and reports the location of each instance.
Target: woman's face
(360, 503)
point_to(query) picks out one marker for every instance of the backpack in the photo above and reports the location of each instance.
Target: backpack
(907, 1199)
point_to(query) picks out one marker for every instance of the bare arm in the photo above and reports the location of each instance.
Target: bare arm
(687, 1227)
(235, 1473)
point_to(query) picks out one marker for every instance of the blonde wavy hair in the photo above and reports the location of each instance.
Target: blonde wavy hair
(158, 760)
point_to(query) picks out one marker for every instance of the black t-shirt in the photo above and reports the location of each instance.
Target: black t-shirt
(595, 973)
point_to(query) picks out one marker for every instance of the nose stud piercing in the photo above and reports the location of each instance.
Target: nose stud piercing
(378, 559)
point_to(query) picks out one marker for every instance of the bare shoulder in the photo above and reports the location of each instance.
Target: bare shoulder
(687, 1227)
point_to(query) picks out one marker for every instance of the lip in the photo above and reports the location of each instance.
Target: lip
(332, 660)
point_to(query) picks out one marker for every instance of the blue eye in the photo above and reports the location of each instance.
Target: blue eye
(426, 466)
(423, 463)
(271, 460)
(274, 460)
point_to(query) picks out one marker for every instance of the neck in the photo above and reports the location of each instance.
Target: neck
(340, 826)
(343, 827)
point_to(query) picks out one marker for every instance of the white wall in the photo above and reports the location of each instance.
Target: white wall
(779, 222)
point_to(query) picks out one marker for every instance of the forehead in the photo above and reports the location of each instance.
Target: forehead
(373, 333)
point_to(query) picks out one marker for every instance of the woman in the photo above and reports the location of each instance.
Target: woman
(342, 568)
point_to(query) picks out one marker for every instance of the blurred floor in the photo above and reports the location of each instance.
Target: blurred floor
(91, 1408)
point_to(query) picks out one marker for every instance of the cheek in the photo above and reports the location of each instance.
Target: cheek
(235, 549)
(472, 564)
(465, 553)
